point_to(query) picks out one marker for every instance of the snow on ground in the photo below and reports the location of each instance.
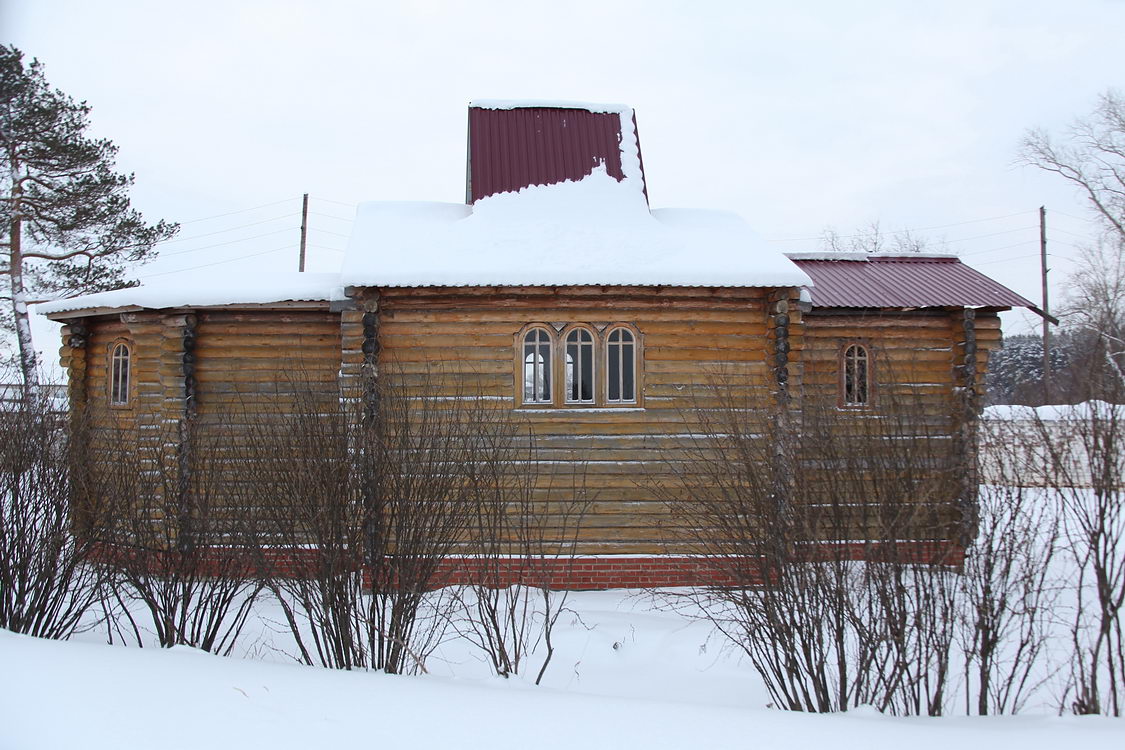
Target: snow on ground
(1082, 412)
(626, 676)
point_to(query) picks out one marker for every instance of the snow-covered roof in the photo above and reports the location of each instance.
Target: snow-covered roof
(595, 231)
(200, 290)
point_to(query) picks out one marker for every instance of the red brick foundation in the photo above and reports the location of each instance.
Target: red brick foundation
(578, 573)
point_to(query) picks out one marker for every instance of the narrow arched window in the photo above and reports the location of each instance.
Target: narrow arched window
(119, 375)
(621, 366)
(857, 376)
(537, 367)
(579, 367)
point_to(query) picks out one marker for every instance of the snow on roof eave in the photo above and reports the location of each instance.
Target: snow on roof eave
(862, 257)
(86, 312)
(551, 104)
(269, 289)
(780, 284)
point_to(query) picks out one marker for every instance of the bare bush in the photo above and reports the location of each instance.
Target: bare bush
(1009, 593)
(844, 579)
(46, 581)
(522, 540)
(1087, 474)
(368, 510)
(837, 530)
(182, 544)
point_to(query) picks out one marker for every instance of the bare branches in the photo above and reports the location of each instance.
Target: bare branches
(522, 541)
(845, 590)
(47, 583)
(67, 223)
(183, 541)
(1093, 159)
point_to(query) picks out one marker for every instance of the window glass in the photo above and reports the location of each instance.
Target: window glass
(579, 367)
(119, 375)
(856, 383)
(620, 366)
(537, 367)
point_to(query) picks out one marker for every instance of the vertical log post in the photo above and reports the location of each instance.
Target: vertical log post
(966, 420)
(74, 358)
(781, 308)
(163, 370)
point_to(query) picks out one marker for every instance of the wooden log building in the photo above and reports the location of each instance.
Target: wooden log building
(555, 291)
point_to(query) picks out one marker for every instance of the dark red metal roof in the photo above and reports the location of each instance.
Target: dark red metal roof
(903, 282)
(512, 148)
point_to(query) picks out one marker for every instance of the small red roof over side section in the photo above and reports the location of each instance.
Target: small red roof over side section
(515, 146)
(898, 281)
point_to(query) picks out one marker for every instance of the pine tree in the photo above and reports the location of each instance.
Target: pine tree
(68, 228)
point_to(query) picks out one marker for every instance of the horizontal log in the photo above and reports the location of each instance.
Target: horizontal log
(637, 315)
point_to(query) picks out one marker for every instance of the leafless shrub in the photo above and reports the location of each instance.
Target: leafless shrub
(1086, 450)
(299, 460)
(1009, 592)
(182, 544)
(832, 532)
(370, 506)
(46, 581)
(522, 539)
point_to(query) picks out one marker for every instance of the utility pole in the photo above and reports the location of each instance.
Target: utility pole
(1046, 309)
(305, 229)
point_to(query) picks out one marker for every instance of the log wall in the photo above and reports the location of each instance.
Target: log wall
(927, 369)
(690, 339)
(208, 369)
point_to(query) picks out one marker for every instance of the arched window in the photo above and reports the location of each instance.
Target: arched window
(537, 367)
(856, 381)
(579, 367)
(621, 366)
(119, 374)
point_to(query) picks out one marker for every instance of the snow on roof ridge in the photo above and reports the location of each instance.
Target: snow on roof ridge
(863, 257)
(601, 107)
(596, 230)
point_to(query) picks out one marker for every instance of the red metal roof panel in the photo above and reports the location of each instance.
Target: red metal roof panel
(923, 281)
(513, 147)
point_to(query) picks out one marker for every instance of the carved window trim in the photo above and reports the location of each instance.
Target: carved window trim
(856, 366)
(119, 374)
(582, 341)
(542, 338)
(595, 345)
(634, 344)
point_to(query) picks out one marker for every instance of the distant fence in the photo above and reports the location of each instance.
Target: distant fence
(53, 393)
(1036, 447)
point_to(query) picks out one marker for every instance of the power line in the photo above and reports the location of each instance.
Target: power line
(353, 204)
(224, 231)
(240, 211)
(909, 229)
(220, 262)
(324, 247)
(1073, 234)
(231, 242)
(1008, 260)
(997, 249)
(991, 234)
(328, 231)
(330, 216)
(1086, 219)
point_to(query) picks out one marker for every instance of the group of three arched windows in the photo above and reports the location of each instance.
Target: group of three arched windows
(594, 368)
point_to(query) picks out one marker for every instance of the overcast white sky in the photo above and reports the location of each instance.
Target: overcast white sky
(798, 116)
